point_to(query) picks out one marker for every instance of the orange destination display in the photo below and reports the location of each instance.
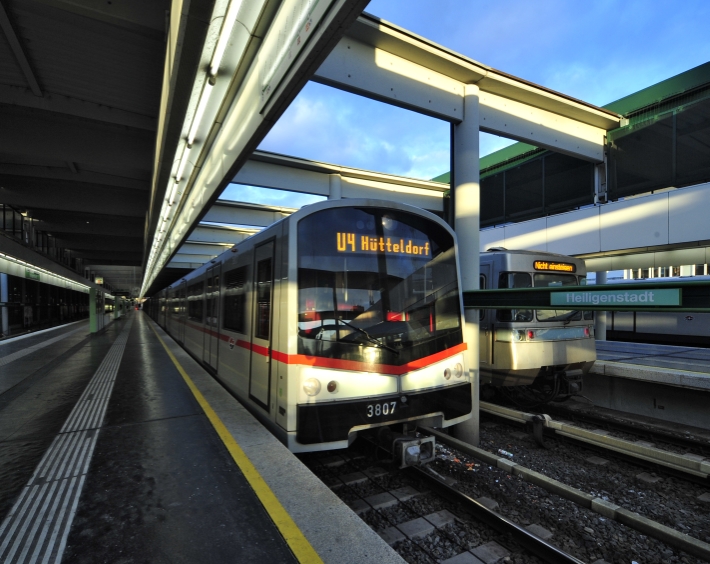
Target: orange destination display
(554, 266)
(354, 243)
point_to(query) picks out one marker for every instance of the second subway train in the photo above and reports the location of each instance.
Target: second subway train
(343, 317)
(533, 356)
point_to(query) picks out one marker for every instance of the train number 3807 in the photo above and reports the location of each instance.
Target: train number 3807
(377, 409)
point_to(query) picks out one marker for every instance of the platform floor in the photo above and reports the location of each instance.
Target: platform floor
(118, 447)
(660, 356)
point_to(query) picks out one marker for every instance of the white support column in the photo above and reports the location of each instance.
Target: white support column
(335, 187)
(600, 316)
(466, 191)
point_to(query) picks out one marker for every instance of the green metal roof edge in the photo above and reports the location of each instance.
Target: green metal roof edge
(674, 85)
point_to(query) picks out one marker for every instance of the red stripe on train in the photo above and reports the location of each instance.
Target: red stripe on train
(305, 360)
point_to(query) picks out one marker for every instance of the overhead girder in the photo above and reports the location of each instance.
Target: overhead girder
(146, 18)
(36, 132)
(283, 172)
(82, 243)
(70, 172)
(203, 249)
(57, 221)
(238, 213)
(66, 105)
(374, 72)
(216, 234)
(28, 193)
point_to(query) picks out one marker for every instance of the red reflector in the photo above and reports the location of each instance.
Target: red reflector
(397, 316)
(531, 335)
(586, 331)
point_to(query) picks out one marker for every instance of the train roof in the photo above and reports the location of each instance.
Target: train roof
(493, 250)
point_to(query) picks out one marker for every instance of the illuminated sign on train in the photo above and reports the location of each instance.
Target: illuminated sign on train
(353, 243)
(554, 266)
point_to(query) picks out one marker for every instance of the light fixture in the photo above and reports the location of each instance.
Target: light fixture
(183, 163)
(171, 198)
(225, 33)
(200, 111)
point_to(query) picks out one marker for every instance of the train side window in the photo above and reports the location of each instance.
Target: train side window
(514, 280)
(482, 286)
(235, 299)
(263, 298)
(195, 309)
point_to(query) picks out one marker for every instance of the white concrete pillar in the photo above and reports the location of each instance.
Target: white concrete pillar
(335, 187)
(600, 316)
(466, 200)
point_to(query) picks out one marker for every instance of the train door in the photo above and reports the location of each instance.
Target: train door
(211, 343)
(485, 329)
(262, 291)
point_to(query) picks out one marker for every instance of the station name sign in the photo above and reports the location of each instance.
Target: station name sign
(667, 297)
(31, 274)
(554, 266)
(354, 243)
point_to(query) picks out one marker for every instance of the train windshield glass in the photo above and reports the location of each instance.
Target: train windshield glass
(546, 280)
(376, 285)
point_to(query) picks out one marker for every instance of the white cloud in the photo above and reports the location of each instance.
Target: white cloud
(329, 125)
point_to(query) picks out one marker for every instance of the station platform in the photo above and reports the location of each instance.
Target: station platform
(118, 447)
(661, 381)
(687, 367)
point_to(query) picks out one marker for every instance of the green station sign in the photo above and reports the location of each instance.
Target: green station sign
(646, 298)
(31, 274)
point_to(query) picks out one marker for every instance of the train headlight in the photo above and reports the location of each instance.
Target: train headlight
(458, 370)
(447, 373)
(312, 387)
(519, 334)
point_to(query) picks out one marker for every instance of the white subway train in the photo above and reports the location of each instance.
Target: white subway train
(681, 328)
(343, 317)
(533, 356)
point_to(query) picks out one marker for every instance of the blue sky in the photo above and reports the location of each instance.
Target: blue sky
(594, 50)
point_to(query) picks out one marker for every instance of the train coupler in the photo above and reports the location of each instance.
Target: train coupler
(405, 447)
(410, 451)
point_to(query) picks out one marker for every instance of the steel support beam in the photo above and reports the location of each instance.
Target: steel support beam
(310, 177)
(237, 213)
(62, 138)
(19, 53)
(59, 104)
(376, 73)
(215, 234)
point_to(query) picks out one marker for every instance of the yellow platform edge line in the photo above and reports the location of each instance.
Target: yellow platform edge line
(293, 536)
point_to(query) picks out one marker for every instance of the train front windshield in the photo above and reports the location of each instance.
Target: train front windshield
(376, 285)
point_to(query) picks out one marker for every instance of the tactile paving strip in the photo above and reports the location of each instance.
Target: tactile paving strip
(36, 529)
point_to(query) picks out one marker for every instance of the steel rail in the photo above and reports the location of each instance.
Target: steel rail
(540, 548)
(678, 463)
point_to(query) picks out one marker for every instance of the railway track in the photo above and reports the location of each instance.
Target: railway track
(669, 510)
(426, 518)
(692, 467)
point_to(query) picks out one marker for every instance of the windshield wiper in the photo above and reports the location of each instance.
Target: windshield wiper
(374, 341)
